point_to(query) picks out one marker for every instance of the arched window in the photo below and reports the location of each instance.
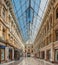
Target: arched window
(4, 33)
(51, 22)
(56, 13)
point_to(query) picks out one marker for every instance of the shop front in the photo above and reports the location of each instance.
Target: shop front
(11, 53)
(48, 55)
(56, 55)
(56, 52)
(16, 54)
(2, 53)
(43, 55)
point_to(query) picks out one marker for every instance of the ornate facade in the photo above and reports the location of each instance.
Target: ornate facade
(9, 32)
(28, 50)
(47, 38)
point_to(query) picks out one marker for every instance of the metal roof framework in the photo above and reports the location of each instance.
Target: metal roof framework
(29, 14)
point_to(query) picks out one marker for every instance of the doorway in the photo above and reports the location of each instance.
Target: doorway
(43, 54)
(10, 54)
(48, 55)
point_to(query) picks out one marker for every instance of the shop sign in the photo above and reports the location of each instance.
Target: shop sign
(1, 46)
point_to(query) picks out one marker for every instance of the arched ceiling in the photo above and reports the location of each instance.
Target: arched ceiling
(29, 14)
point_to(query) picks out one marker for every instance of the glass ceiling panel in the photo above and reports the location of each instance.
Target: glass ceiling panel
(29, 14)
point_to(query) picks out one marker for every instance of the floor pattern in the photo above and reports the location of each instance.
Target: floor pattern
(30, 61)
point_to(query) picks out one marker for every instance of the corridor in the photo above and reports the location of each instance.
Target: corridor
(29, 61)
(28, 32)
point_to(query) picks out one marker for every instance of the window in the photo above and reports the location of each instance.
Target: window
(56, 35)
(49, 54)
(32, 46)
(47, 41)
(32, 51)
(50, 21)
(4, 33)
(8, 37)
(50, 39)
(56, 13)
(45, 30)
(43, 43)
(28, 50)
(3, 12)
(9, 18)
(47, 26)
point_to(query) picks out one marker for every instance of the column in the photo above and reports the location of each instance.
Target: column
(40, 55)
(6, 54)
(45, 55)
(12, 54)
(52, 54)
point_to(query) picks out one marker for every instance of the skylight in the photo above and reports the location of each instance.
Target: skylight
(29, 14)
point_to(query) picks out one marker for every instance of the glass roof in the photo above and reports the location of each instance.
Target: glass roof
(29, 14)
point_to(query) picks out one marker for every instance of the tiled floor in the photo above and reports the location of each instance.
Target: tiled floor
(30, 61)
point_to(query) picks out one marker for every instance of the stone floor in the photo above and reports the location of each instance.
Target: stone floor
(29, 61)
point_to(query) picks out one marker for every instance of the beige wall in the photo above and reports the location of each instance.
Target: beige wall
(46, 37)
(9, 31)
